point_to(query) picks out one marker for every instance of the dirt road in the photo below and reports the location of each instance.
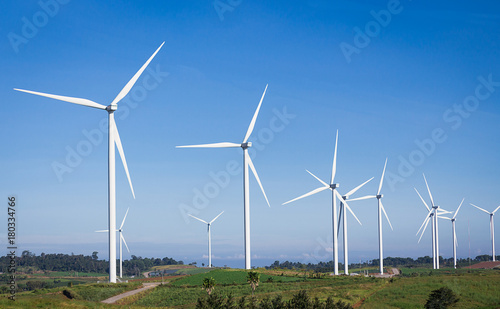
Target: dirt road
(145, 286)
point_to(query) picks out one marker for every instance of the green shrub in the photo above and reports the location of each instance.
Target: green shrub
(441, 298)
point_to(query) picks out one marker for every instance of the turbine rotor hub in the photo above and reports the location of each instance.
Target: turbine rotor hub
(246, 145)
(111, 107)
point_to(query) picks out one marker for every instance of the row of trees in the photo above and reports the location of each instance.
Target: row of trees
(388, 261)
(30, 262)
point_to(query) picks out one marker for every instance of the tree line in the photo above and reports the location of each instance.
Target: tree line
(30, 262)
(388, 261)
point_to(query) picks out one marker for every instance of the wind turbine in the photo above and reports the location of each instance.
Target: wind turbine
(434, 212)
(122, 240)
(335, 194)
(492, 228)
(344, 222)
(247, 162)
(113, 138)
(454, 235)
(380, 210)
(209, 239)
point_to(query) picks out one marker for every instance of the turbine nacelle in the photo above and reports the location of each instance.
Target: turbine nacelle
(334, 186)
(111, 107)
(379, 196)
(246, 145)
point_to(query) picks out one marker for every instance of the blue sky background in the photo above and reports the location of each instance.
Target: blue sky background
(406, 82)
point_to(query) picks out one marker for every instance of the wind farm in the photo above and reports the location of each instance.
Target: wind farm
(332, 89)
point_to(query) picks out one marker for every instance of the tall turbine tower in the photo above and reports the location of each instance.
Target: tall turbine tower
(209, 238)
(247, 162)
(342, 214)
(335, 194)
(492, 229)
(454, 234)
(113, 138)
(434, 214)
(380, 210)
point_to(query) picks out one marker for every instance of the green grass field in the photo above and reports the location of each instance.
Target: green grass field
(475, 289)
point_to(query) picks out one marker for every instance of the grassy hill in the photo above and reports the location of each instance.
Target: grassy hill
(475, 289)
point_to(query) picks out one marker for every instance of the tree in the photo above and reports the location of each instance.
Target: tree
(441, 298)
(209, 285)
(94, 255)
(253, 278)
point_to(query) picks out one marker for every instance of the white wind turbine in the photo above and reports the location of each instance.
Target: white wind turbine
(122, 240)
(454, 234)
(113, 138)
(209, 238)
(335, 194)
(435, 212)
(492, 228)
(344, 222)
(247, 162)
(380, 210)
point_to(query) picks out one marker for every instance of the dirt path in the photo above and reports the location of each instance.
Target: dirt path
(145, 286)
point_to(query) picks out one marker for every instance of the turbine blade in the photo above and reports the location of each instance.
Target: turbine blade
(339, 221)
(198, 219)
(426, 217)
(358, 187)
(124, 242)
(422, 199)
(350, 210)
(125, 217)
(495, 210)
(334, 167)
(324, 183)
(423, 231)
(456, 212)
(102, 231)
(118, 143)
(362, 198)
(254, 171)
(481, 209)
(382, 178)
(78, 101)
(387, 217)
(430, 195)
(213, 145)
(252, 123)
(216, 218)
(307, 194)
(131, 82)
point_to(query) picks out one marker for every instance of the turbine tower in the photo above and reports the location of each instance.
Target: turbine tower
(492, 229)
(454, 234)
(209, 238)
(342, 215)
(247, 162)
(435, 212)
(380, 210)
(122, 240)
(335, 194)
(113, 139)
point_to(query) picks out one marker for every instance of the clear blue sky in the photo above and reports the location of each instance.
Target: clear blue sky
(389, 75)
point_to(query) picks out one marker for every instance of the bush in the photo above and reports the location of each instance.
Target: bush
(70, 294)
(441, 298)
